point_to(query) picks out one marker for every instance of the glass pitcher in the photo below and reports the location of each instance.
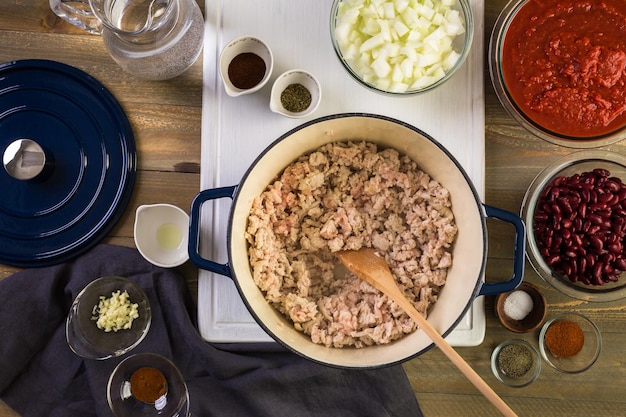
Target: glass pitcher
(152, 39)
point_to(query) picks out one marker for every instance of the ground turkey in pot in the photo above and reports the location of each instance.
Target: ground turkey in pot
(347, 196)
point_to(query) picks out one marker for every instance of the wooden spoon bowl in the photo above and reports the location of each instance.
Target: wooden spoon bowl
(374, 270)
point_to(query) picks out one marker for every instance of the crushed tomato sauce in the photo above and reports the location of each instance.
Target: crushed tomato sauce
(564, 64)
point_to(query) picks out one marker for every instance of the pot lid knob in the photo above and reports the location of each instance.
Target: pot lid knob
(24, 159)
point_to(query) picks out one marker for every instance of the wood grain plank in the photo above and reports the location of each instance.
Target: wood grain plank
(88, 53)
(166, 120)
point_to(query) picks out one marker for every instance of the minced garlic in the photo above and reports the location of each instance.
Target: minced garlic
(116, 312)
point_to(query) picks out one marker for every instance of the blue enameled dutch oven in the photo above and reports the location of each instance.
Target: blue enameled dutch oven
(465, 278)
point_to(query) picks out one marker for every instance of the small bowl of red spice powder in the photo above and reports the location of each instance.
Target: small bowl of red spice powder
(147, 384)
(559, 69)
(570, 342)
(245, 65)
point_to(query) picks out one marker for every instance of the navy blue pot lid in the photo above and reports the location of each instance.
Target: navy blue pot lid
(90, 166)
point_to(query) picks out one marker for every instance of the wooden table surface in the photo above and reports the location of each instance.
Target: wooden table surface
(166, 120)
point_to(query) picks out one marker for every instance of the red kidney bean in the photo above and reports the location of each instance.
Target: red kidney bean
(603, 199)
(601, 172)
(584, 194)
(564, 205)
(594, 218)
(597, 273)
(553, 259)
(593, 229)
(554, 193)
(612, 185)
(580, 226)
(567, 233)
(577, 239)
(597, 243)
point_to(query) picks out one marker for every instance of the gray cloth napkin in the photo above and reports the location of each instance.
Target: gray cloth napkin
(41, 376)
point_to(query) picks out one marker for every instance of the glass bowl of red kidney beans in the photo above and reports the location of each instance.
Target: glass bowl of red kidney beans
(575, 214)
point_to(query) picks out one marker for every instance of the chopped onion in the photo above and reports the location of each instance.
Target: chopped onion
(399, 45)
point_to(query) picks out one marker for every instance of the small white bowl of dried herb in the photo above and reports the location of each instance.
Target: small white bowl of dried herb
(296, 93)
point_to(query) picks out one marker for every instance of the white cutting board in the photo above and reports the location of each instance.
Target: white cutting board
(236, 130)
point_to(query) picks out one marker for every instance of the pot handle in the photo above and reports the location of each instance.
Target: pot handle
(518, 254)
(194, 229)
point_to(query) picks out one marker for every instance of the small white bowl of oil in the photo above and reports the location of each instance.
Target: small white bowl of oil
(161, 234)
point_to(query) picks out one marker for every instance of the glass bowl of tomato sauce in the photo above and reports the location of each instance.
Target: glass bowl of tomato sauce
(559, 68)
(575, 214)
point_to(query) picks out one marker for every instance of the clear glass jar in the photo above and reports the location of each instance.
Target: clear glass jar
(151, 39)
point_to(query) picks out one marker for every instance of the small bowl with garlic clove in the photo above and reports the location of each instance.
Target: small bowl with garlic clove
(108, 318)
(522, 310)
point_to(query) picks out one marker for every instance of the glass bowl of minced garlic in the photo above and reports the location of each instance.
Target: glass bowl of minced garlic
(108, 318)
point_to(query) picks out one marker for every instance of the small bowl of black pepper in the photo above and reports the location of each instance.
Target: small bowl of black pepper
(516, 363)
(245, 65)
(296, 93)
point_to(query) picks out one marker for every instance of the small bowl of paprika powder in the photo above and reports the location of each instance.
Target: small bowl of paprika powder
(147, 384)
(245, 65)
(570, 342)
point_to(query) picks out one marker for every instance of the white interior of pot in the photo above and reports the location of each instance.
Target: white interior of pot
(468, 253)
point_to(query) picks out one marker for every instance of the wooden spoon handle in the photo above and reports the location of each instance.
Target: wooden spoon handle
(453, 355)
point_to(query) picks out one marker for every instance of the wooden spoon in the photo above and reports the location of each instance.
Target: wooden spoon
(373, 269)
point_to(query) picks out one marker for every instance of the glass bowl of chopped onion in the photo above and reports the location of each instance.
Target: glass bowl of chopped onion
(575, 214)
(400, 47)
(108, 318)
